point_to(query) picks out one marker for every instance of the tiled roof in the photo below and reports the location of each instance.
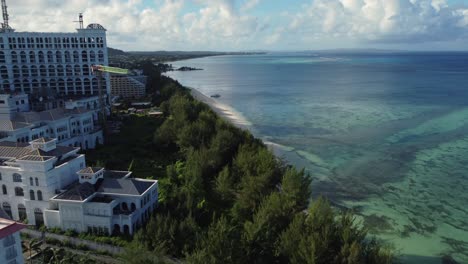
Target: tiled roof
(107, 185)
(25, 119)
(15, 150)
(78, 192)
(90, 170)
(36, 158)
(43, 140)
(8, 125)
(124, 186)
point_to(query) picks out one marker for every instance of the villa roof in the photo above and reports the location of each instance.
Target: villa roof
(110, 184)
(124, 186)
(24, 151)
(78, 192)
(90, 170)
(8, 125)
(43, 140)
(25, 119)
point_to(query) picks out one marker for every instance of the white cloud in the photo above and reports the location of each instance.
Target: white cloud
(230, 25)
(389, 21)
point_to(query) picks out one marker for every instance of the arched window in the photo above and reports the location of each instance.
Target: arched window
(25, 71)
(16, 72)
(50, 57)
(4, 72)
(37, 181)
(40, 57)
(31, 181)
(101, 56)
(85, 69)
(39, 195)
(23, 57)
(34, 71)
(2, 57)
(77, 69)
(31, 195)
(16, 177)
(19, 191)
(76, 56)
(60, 71)
(84, 56)
(14, 57)
(67, 57)
(58, 57)
(4, 189)
(92, 56)
(51, 71)
(7, 208)
(32, 57)
(22, 211)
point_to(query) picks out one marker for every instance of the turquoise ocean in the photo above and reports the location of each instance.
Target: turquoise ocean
(382, 134)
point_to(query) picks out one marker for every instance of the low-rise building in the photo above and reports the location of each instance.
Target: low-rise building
(75, 124)
(48, 184)
(10, 240)
(128, 86)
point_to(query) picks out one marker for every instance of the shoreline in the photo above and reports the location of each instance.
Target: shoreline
(226, 112)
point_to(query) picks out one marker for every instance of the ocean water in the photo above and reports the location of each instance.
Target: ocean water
(385, 135)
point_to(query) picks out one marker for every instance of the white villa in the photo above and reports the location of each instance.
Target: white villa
(49, 184)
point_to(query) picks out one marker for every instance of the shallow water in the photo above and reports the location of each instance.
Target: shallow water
(383, 134)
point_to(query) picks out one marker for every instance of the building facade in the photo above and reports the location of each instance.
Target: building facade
(51, 185)
(59, 63)
(73, 124)
(131, 86)
(10, 241)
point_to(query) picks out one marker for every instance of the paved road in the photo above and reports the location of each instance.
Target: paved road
(75, 241)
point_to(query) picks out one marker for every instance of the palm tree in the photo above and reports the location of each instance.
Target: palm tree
(57, 255)
(31, 245)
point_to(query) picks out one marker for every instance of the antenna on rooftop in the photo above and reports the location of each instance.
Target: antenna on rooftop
(5, 25)
(80, 19)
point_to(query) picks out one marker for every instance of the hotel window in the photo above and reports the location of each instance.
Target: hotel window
(31, 195)
(4, 189)
(0, 176)
(31, 181)
(39, 195)
(16, 177)
(19, 191)
(37, 181)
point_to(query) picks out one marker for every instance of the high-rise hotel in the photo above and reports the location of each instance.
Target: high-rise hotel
(52, 63)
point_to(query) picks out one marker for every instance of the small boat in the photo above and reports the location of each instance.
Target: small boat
(215, 96)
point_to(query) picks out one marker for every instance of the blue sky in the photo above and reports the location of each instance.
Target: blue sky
(257, 24)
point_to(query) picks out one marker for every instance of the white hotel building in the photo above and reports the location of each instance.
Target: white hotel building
(51, 185)
(32, 62)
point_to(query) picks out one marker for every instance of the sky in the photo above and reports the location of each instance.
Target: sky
(246, 25)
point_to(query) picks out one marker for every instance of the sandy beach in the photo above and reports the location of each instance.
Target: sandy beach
(224, 111)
